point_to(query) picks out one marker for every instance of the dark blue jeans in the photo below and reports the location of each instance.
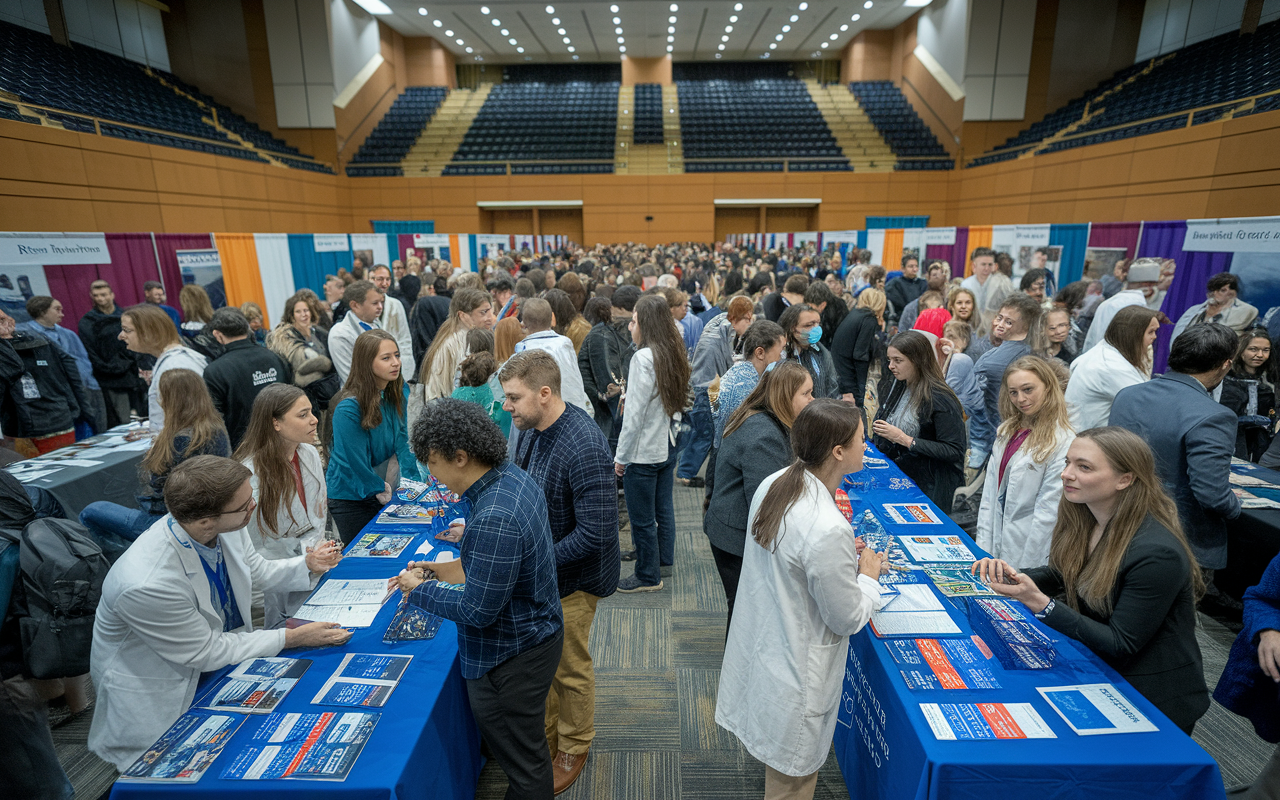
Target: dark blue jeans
(115, 527)
(695, 443)
(653, 516)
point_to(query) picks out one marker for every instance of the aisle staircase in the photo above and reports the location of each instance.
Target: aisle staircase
(853, 129)
(658, 159)
(624, 138)
(211, 118)
(440, 139)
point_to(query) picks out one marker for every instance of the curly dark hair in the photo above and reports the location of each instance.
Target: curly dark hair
(448, 425)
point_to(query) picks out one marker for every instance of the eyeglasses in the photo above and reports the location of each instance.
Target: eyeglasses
(242, 509)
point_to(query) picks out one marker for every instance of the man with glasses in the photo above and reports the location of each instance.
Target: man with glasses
(177, 604)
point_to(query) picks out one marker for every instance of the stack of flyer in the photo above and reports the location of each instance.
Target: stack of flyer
(318, 747)
(363, 680)
(187, 750)
(256, 686)
(350, 603)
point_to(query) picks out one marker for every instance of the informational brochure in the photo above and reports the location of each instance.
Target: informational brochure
(361, 616)
(372, 591)
(380, 545)
(955, 721)
(942, 664)
(1250, 500)
(256, 686)
(409, 514)
(912, 597)
(1017, 642)
(363, 679)
(913, 623)
(321, 746)
(187, 750)
(937, 548)
(1244, 479)
(955, 580)
(912, 513)
(1096, 708)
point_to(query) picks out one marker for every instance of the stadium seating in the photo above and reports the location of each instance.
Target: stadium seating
(91, 82)
(717, 127)
(1157, 95)
(647, 124)
(396, 132)
(901, 127)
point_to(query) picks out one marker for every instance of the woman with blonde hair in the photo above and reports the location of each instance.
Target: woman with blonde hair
(469, 308)
(146, 329)
(1121, 566)
(756, 444)
(288, 485)
(812, 587)
(1021, 491)
(192, 427)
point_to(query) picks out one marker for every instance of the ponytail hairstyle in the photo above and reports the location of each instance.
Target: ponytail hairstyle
(264, 444)
(760, 334)
(822, 426)
(670, 362)
(464, 302)
(773, 394)
(1091, 576)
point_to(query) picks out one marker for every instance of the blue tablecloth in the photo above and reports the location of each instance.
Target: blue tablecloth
(426, 743)
(886, 749)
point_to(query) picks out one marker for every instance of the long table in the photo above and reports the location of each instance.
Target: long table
(1253, 538)
(114, 477)
(886, 748)
(426, 743)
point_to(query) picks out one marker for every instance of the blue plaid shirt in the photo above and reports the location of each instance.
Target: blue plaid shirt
(509, 603)
(570, 460)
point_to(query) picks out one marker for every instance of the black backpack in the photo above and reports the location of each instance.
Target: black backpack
(62, 570)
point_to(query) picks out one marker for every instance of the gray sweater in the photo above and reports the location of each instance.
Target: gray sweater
(758, 448)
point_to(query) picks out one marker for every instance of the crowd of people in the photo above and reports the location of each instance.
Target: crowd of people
(543, 388)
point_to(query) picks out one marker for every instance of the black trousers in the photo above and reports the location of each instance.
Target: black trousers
(730, 568)
(352, 515)
(510, 706)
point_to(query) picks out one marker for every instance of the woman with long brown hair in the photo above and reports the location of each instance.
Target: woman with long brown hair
(920, 424)
(288, 485)
(1122, 359)
(369, 430)
(1123, 568)
(1021, 491)
(810, 590)
(146, 329)
(656, 393)
(569, 322)
(192, 427)
(756, 444)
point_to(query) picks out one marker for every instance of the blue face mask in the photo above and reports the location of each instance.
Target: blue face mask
(815, 334)
(769, 367)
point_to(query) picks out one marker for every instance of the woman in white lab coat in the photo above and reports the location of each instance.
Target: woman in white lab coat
(288, 485)
(789, 638)
(1024, 476)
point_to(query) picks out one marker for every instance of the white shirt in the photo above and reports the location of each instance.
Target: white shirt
(1096, 378)
(342, 340)
(561, 349)
(181, 357)
(1016, 517)
(395, 322)
(1107, 311)
(784, 659)
(157, 629)
(646, 436)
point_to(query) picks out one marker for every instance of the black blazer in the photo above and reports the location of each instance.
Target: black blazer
(936, 462)
(758, 448)
(1150, 636)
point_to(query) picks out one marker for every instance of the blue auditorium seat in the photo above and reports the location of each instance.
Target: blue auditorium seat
(900, 126)
(400, 127)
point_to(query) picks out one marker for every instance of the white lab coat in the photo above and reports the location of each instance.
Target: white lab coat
(1107, 310)
(395, 322)
(784, 661)
(181, 357)
(1015, 520)
(294, 534)
(1096, 378)
(157, 629)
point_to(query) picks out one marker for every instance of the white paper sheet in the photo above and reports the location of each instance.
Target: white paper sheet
(32, 474)
(913, 597)
(360, 616)
(372, 591)
(913, 623)
(77, 462)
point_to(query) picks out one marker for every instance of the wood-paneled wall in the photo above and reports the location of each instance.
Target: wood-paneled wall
(62, 180)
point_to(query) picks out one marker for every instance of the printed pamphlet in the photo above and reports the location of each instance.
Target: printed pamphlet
(912, 513)
(380, 545)
(321, 746)
(1096, 708)
(363, 680)
(187, 750)
(256, 686)
(943, 663)
(937, 548)
(955, 721)
(955, 580)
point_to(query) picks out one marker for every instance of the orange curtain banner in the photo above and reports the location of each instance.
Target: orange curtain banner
(891, 254)
(979, 236)
(240, 274)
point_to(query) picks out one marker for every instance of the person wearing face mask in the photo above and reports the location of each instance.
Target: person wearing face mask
(177, 604)
(1221, 305)
(1023, 482)
(800, 324)
(1017, 326)
(920, 425)
(1144, 287)
(1122, 360)
(756, 444)
(1120, 577)
(1193, 439)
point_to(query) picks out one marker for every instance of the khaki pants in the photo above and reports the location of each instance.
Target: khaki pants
(784, 787)
(571, 703)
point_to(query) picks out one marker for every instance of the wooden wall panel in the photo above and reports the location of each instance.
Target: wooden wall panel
(646, 70)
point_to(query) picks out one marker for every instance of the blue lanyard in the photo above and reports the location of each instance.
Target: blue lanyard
(218, 580)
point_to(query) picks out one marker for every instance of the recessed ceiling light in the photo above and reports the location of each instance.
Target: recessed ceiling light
(617, 20)
(856, 17)
(795, 17)
(844, 27)
(422, 12)
(728, 29)
(496, 22)
(717, 55)
(778, 37)
(670, 47)
(804, 6)
(519, 49)
(671, 29)
(737, 6)
(436, 22)
(560, 31)
(823, 45)
(622, 49)
(724, 38)
(551, 9)
(719, 47)
(469, 50)
(505, 32)
(734, 18)
(484, 10)
(566, 40)
(511, 42)
(671, 39)
(571, 49)
(621, 40)
(614, 9)
(374, 6)
(835, 36)
(448, 33)
(867, 4)
(460, 42)
(575, 58)
(773, 45)
(618, 31)
(675, 7)
(786, 29)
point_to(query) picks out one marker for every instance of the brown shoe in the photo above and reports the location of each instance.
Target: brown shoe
(566, 768)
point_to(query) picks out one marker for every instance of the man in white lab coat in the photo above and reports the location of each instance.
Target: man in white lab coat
(177, 604)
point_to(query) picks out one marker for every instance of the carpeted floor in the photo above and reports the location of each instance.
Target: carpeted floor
(657, 658)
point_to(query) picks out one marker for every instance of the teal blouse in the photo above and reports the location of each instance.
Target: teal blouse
(356, 451)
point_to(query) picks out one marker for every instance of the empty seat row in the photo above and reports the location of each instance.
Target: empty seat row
(647, 123)
(534, 120)
(401, 126)
(898, 124)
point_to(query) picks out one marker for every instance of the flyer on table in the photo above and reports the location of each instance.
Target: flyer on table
(1096, 708)
(956, 721)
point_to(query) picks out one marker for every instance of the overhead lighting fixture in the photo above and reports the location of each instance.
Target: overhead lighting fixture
(617, 20)
(737, 6)
(844, 27)
(460, 42)
(795, 17)
(823, 45)
(670, 48)
(724, 38)
(867, 4)
(675, 7)
(773, 45)
(422, 11)
(448, 33)
(469, 50)
(511, 42)
(621, 40)
(720, 47)
(916, 3)
(484, 10)
(566, 40)
(672, 20)
(671, 29)
(622, 49)
(436, 22)
(728, 29)
(618, 31)
(734, 18)
(575, 58)
(804, 6)
(786, 29)
(835, 36)
(560, 31)
(856, 17)
(496, 22)
(505, 32)
(671, 39)
(519, 49)
(551, 9)
(717, 55)
(571, 49)
(614, 9)
(374, 6)
(778, 37)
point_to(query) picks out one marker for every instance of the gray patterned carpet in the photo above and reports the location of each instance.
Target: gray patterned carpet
(657, 658)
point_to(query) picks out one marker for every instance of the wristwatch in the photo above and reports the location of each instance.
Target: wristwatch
(1047, 610)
